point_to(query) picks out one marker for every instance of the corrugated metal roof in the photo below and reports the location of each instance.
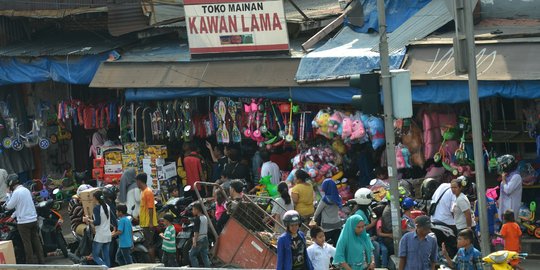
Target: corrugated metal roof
(126, 17)
(430, 18)
(61, 45)
(10, 30)
(314, 9)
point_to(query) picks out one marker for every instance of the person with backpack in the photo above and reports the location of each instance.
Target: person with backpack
(442, 217)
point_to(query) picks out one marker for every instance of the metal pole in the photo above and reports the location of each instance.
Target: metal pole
(476, 128)
(389, 125)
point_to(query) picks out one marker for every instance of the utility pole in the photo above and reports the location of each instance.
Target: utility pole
(389, 125)
(466, 57)
(476, 129)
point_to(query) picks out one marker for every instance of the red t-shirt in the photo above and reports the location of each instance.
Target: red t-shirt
(511, 233)
(193, 167)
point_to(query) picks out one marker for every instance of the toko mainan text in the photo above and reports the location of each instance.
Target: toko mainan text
(218, 18)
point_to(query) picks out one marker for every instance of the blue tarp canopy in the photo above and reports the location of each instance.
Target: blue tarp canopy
(451, 92)
(73, 70)
(334, 95)
(397, 12)
(445, 92)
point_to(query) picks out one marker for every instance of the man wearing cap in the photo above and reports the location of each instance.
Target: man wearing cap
(418, 249)
(25, 213)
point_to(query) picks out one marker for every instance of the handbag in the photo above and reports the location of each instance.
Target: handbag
(433, 206)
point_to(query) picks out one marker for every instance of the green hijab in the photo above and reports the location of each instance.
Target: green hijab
(351, 248)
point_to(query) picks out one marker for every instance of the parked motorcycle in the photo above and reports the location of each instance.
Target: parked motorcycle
(499, 260)
(50, 224)
(9, 232)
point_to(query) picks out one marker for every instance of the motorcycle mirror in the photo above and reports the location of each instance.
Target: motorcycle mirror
(55, 191)
(187, 188)
(373, 182)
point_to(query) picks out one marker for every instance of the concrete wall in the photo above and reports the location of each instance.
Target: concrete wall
(514, 9)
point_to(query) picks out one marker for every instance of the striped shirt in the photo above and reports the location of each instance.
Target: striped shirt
(169, 240)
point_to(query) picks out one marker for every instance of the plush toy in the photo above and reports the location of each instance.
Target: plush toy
(406, 156)
(339, 147)
(320, 122)
(358, 130)
(346, 128)
(335, 124)
(268, 186)
(400, 160)
(376, 131)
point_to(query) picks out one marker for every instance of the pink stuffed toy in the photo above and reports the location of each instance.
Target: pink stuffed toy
(334, 123)
(400, 160)
(358, 130)
(346, 130)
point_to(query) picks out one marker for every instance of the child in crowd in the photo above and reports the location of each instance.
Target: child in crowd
(169, 242)
(493, 216)
(407, 221)
(174, 192)
(291, 246)
(320, 252)
(125, 236)
(511, 233)
(200, 238)
(467, 256)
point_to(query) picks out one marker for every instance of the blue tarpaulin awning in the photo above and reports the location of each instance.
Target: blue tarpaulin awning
(334, 95)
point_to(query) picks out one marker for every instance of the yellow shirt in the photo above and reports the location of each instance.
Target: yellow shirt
(305, 199)
(147, 202)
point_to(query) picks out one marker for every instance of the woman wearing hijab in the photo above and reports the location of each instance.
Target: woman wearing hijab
(130, 195)
(354, 250)
(327, 213)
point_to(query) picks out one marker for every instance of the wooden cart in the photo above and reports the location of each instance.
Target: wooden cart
(239, 243)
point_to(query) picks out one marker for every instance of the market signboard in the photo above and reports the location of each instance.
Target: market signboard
(228, 26)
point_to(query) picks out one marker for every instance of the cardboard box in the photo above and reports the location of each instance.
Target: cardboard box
(97, 173)
(113, 179)
(87, 200)
(113, 169)
(99, 163)
(167, 171)
(7, 253)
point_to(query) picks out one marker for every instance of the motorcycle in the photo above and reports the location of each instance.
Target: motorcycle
(499, 260)
(50, 225)
(50, 229)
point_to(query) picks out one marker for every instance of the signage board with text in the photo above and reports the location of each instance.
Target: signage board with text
(229, 26)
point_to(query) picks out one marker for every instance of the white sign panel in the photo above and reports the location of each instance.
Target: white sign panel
(226, 26)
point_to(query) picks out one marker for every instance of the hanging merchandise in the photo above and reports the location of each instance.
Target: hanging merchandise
(236, 135)
(375, 129)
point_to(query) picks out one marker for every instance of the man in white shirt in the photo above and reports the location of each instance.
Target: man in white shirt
(443, 217)
(270, 168)
(25, 213)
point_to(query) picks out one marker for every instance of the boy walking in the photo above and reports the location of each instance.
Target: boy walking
(169, 243)
(467, 257)
(320, 252)
(125, 236)
(200, 238)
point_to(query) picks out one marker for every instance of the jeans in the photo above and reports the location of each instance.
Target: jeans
(383, 254)
(200, 249)
(123, 256)
(31, 241)
(169, 259)
(100, 253)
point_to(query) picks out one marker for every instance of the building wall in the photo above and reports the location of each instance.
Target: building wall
(511, 9)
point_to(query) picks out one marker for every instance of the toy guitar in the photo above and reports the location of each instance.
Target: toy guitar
(223, 114)
(289, 137)
(219, 132)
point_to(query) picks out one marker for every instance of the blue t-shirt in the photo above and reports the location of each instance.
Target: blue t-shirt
(126, 237)
(492, 211)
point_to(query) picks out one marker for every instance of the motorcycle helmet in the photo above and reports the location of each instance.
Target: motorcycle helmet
(506, 163)
(82, 188)
(110, 192)
(363, 196)
(291, 217)
(408, 203)
(428, 188)
(12, 181)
